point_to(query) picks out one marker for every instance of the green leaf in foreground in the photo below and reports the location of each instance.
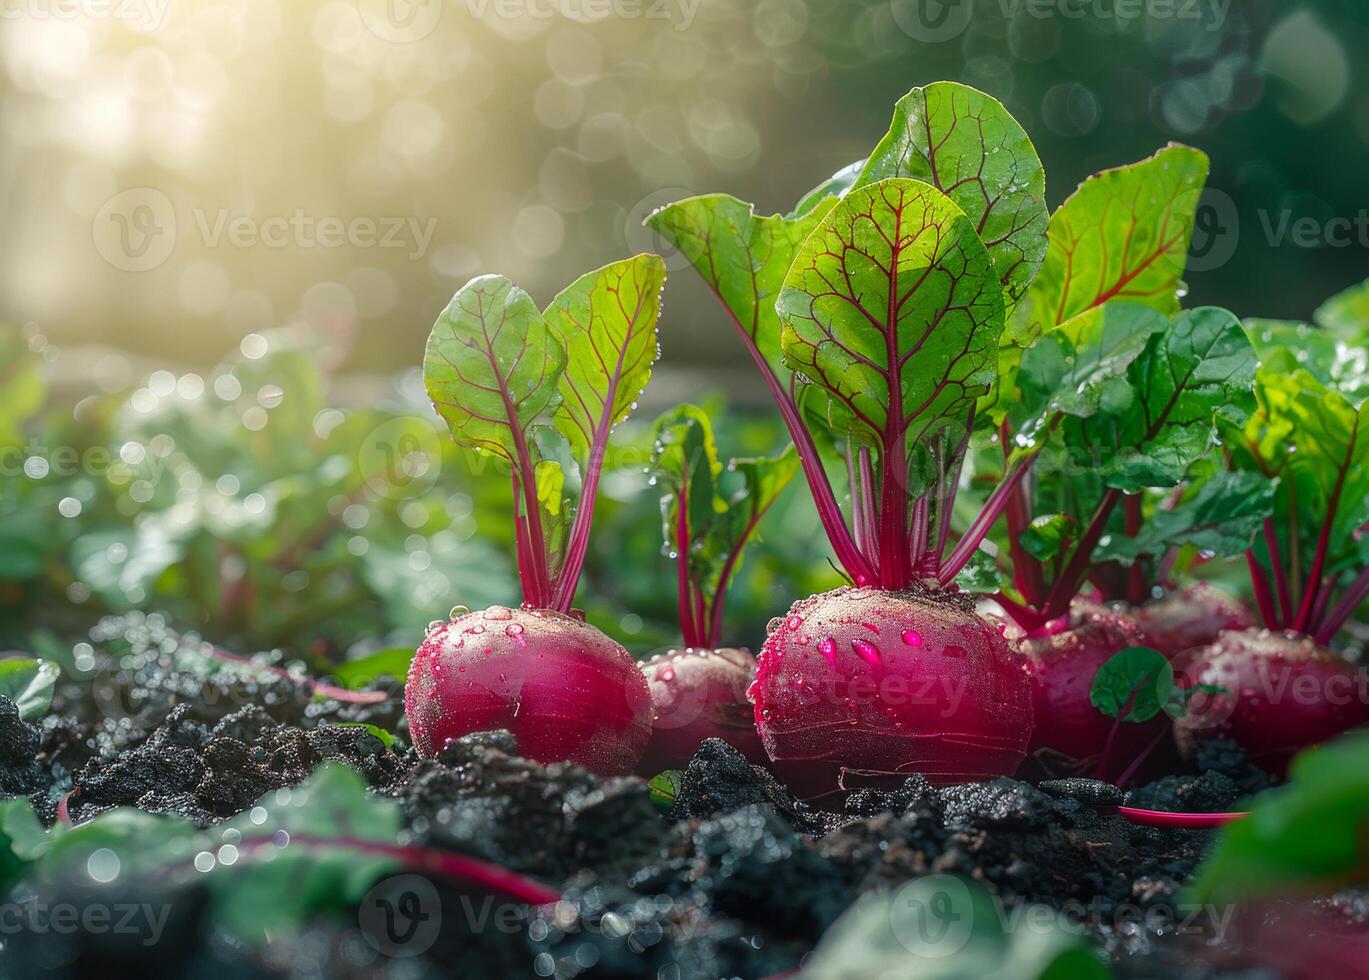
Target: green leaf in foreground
(28, 683)
(1346, 314)
(1133, 685)
(664, 787)
(1305, 837)
(299, 852)
(966, 145)
(941, 927)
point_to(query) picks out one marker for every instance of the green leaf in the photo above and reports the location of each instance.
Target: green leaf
(1220, 519)
(1163, 417)
(942, 927)
(1123, 234)
(1285, 346)
(298, 853)
(981, 574)
(1307, 836)
(1133, 684)
(1332, 441)
(743, 257)
(721, 523)
(892, 308)
(1346, 314)
(1068, 369)
(391, 662)
(965, 144)
(664, 788)
(606, 322)
(1047, 537)
(387, 739)
(28, 683)
(834, 186)
(492, 366)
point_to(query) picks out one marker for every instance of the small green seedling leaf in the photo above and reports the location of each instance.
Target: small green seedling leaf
(28, 683)
(665, 787)
(387, 739)
(391, 662)
(1133, 685)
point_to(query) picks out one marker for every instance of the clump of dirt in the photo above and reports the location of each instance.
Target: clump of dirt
(735, 877)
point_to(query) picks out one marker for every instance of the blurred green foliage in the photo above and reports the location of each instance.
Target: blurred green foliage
(252, 506)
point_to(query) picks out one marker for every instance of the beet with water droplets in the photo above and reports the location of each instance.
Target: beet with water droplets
(1062, 659)
(864, 687)
(698, 694)
(1191, 617)
(1279, 693)
(565, 690)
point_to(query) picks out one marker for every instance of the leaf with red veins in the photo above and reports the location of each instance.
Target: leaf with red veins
(743, 256)
(1123, 234)
(968, 146)
(606, 321)
(492, 368)
(893, 308)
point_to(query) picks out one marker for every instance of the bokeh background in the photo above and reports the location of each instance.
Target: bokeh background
(440, 138)
(229, 226)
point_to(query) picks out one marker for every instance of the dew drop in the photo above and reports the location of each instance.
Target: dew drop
(912, 637)
(828, 648)
(867, 650)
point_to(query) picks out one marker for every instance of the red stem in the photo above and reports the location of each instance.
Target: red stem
(829, 511)
(1341, 612)
(1076, 571)
(969, 541)
(715, 625)
(1260, 586)
(1319, 560)
(1271, 541)
(1179, 821)
(455, 867)
(683, 583)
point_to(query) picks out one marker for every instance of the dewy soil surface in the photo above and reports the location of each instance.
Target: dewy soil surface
(736, 879)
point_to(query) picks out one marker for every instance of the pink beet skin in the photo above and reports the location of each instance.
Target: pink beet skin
(565, 690)
(864, 687)
(1062, 659)
(1281, 693)
(1192, 617)
(698, 694)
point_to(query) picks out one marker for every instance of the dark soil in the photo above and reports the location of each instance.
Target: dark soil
(735, 878)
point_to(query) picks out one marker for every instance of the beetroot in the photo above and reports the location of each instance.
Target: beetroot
(1191, 617)
(863, 686)
(1279, 693)
(698, 694)
(1062, 659)
(564, 689)
(510, 381)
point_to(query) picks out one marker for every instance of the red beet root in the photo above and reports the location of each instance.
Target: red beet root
(566, 691)
(862, 686)
(699, 694)
(1281, 693)
(1192, 617)
(1062, 659)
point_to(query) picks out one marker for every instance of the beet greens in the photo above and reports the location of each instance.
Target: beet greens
(706, 523)
(509, 379)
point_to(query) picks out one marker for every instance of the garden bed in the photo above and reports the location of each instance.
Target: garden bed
(731, 877)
